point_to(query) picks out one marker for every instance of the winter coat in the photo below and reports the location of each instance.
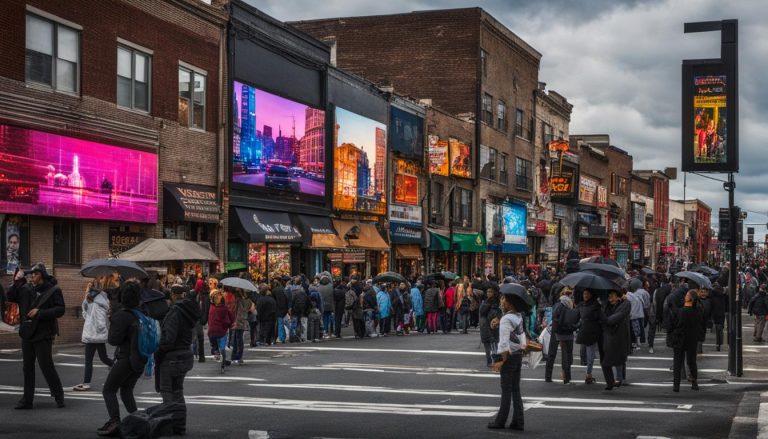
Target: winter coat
(339, 300)
(369, 300)
(417, 302)
(566, 318)
(241, 316)
(431, 300)
(177, 329)
(636, 306)
(266, 307)
(616, 336)
(352, 304)
(691, 323)
(449, 297)
(300, 304)
(489, 310)
(96, 326)
(719, 303)
(220, 319)
(123, 333)
(757, 306)
(281, 300)
(384, 303)
(45, 325)
(326, 292)
(659, 296)
(590, 329)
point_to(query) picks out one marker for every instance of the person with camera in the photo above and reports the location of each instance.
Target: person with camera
(41, 303)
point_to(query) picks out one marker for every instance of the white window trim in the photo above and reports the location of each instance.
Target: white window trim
(197, 71)
(193, 68)
(150, 66)
(49, 16)
(122, 42)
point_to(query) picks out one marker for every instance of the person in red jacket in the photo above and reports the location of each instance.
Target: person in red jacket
(449, 299)
(220, 319)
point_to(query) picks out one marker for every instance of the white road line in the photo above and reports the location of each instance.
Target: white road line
(402, 351)
(762, 420)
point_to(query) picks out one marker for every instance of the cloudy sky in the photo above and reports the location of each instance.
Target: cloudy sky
(618, 62)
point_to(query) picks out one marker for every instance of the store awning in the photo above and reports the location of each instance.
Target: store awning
(516, 249)
(187, 202)
(360, 235)
(161, 250)
(408, 251)
(265, 226)
(405, 233)
(469, 242)
(438, 242)
(318, 233)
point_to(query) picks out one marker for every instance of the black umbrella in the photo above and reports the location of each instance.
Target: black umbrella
(590, 281)
(387, 277)
(646, 270)
(434, 276)
(698, 278)
(703, 269)
(105, 267)
(518, 295)
(608, 271)
(600, 260)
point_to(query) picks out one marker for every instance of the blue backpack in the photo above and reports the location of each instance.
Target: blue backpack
(149, 339)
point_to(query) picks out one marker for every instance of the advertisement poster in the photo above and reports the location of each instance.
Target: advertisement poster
(438, 156)
(515, 224)
(407, 134)
(405, 214)
(602, 197)
(587, 189)
(277, 143)
(51, 175)
(494, 223)
(461, 163)
(360, 164)
(406, 182)
(12, 246)
(562, 181)
(638, 216)
(709, 119)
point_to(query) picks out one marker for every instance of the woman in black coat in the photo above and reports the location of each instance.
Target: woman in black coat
(616, 338)
(590, 330)
(719, 305)
(489, 336)
(688, 333)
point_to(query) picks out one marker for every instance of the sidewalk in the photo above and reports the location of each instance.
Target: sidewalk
(751, 418)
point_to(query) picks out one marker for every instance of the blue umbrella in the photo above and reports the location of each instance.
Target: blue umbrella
(106, 267)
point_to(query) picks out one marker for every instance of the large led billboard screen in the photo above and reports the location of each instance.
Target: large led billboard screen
(360, 164)
(277, 143)
(52, 175)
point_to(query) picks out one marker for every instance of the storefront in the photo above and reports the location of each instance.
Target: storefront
(468, 253)
(366, 252)
(318, 238)
(437, 252)
(190, 212)
(406, 241)
(270, 240)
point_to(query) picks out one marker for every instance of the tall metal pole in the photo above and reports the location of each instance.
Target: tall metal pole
(559, 242)
(735, 366)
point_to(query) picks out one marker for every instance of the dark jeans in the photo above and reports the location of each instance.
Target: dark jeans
(510, 391)
(651, 332)
(121, 377)
(386, 325)
(359, 327)
(170, 375)
(490, 349)
(464, 321)
(90, 350)
(719, 334)
(689, 354)
(253, 326)
(550, 355)
(566, 358)
(327, 322)
(42, 352)
(236, 343)
(199, 342)
(337, 316)
(267, 331)
(450, 320)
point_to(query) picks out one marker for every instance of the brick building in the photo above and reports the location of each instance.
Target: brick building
(660, 228)
(592, 213)
(698, 216)
(479, 71)
(108, 119)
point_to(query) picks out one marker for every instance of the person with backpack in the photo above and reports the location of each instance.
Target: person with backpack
(41, 303)
(432, 306)
(490, 314)
(325, 288)
(354, 307)
(567, 319)
(95, 331)
(124, 332)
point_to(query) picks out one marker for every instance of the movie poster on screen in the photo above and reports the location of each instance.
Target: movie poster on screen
(406, 182)
(709, 119)
(438, 156)
(461, 163)
(51, 175)
(563, 180)
(360, 164)
(407, 133)
(277, 144)
(12, 245)
(515, 224)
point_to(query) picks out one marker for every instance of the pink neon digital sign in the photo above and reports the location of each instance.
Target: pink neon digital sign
(51, 175)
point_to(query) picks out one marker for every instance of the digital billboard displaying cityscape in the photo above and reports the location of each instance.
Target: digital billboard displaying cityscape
(277, 143)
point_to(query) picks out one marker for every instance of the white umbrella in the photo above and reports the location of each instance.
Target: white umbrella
(237, 282)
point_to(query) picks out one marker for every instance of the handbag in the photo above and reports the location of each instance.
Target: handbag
(11, 316)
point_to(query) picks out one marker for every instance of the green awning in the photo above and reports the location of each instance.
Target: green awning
(469, 242)
(438, 243)
(234, 266)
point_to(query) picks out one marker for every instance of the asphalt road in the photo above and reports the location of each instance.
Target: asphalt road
(410, 386)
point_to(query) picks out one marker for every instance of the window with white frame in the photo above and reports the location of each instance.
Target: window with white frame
(192, 98)
(488, 109)
(52, 54)
(501, 115)
(134, 73)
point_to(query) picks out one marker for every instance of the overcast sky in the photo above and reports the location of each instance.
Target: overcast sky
(618, 62)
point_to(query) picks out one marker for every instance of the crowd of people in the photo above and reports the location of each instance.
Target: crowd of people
(607, 324)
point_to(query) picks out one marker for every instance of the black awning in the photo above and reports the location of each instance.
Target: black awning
(193, 203)
(318, 232)
(266, 226)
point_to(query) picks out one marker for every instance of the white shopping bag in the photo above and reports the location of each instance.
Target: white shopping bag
(544, 338)
(531, 360)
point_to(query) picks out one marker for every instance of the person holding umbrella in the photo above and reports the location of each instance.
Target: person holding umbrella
(509, 356)
(616, 338)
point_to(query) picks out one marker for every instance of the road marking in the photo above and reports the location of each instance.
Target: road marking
(403, 351)
(258, 434)
(762, 420)
(222, 378)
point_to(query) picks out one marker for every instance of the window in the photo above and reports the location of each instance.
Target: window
(619, 185)
(133, 78)
(501, 115)
(52, 54)
(503, 177)
(191, 93)
(462, 207)
(66, 243)
(519, 117)
(547, 134)
(488, 109)
(484, 63)
(562, 135)
(436, 203)
(487, 162)
(523, 173)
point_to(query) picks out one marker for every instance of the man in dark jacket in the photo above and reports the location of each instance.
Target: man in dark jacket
(266, 310)
(326, 293)
(339, 302)
(174, 358)
(719, 302)
(298, 309)
(281, 304)
(657, 311)
(758, 307)
(41, 303)
(201, 296)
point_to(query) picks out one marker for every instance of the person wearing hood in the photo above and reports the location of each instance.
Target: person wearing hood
(432, 301)
(41, 303)
(616, 339)
(590, 331)
(636, 316)
(173, 357)
(384, 303)
(266, 309)
(95, 330)
(417, 304)
(567, 319)
(326, 293)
